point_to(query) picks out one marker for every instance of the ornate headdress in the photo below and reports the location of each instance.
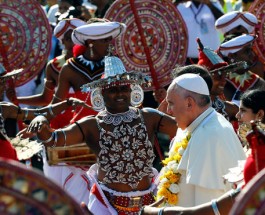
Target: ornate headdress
(97, 31)
(233, 19)
(115, 74)
(67, 24)
(236, 44)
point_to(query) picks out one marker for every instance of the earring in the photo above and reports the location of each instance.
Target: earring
(110, 50)
(97, 100)
(91, 50)
(137, 95)
(232, 60)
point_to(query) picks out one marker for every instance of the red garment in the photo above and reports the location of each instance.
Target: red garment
(81, 112)
(256, 160)
(63, 119)
(7, 150)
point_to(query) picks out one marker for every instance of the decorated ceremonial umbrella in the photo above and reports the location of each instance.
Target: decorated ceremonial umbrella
(258, 9)
(155, 40)
(27, 191)
(25, 38)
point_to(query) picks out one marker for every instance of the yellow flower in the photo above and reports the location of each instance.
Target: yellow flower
(172, 199)
(169, 173)
(169, 179)
(166, 184)
(174, 178)
(163, 192)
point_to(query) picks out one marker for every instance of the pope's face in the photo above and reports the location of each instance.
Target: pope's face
(117, 99)
(177, 107)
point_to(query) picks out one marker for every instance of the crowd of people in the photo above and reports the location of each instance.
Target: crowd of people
(88, 97)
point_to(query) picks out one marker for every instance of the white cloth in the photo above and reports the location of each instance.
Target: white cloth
(204, 28)
(98, 203)
(231, 20)
(192, 82)
(72, 179)
(97, 31)
(236, 44)
(213, 148)
(51, 13)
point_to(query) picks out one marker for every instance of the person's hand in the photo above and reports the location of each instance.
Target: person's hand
(152, 209)
(85, 209)
(163, 106)
(77, 102)
(159, 95)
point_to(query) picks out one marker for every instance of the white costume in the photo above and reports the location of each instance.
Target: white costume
(213, 148)
(200, 23)
(98, 202)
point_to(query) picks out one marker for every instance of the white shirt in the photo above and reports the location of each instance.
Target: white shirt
(200, 23)
(213, 148)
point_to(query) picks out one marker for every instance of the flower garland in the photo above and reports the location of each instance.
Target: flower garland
(170, 176)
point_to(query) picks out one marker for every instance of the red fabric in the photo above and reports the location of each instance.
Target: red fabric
(78, 50)
(251, 168)
(7, 150)
(81, 112)
(94, 190)
(63, 119)
(204, 61)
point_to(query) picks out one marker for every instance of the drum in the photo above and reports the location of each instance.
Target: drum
(76, 155)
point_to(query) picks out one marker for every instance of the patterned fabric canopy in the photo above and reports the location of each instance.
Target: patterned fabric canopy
(26, 191)
(155, 39)
(258, 9)
(25, 38)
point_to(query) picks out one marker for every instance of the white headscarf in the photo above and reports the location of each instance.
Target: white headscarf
(233, 19)
(63, 26)
(236, 44)
(97, 31)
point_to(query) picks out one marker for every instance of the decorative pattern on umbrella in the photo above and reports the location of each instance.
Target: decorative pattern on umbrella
(27, 191)
(258, 9)
(25, 36)
(164, 31)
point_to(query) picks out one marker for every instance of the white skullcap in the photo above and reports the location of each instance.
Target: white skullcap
(233, 19)
(63, 26)
(236, 44)
(192, 82)
(97, 31)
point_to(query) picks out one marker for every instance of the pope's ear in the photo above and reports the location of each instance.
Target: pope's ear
(190, 102)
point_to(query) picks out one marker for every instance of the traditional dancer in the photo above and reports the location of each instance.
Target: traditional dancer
(122, 138)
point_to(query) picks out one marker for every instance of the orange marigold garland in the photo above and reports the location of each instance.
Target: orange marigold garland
(170, 176)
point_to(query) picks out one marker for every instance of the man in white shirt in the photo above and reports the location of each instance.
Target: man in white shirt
(200, 17)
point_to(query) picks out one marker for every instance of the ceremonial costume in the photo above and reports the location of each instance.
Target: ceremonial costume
(92, 71)
(239, 83)
(55, 173)
(73, 178)
(207, 159)
(126, 154)
(64, 118)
